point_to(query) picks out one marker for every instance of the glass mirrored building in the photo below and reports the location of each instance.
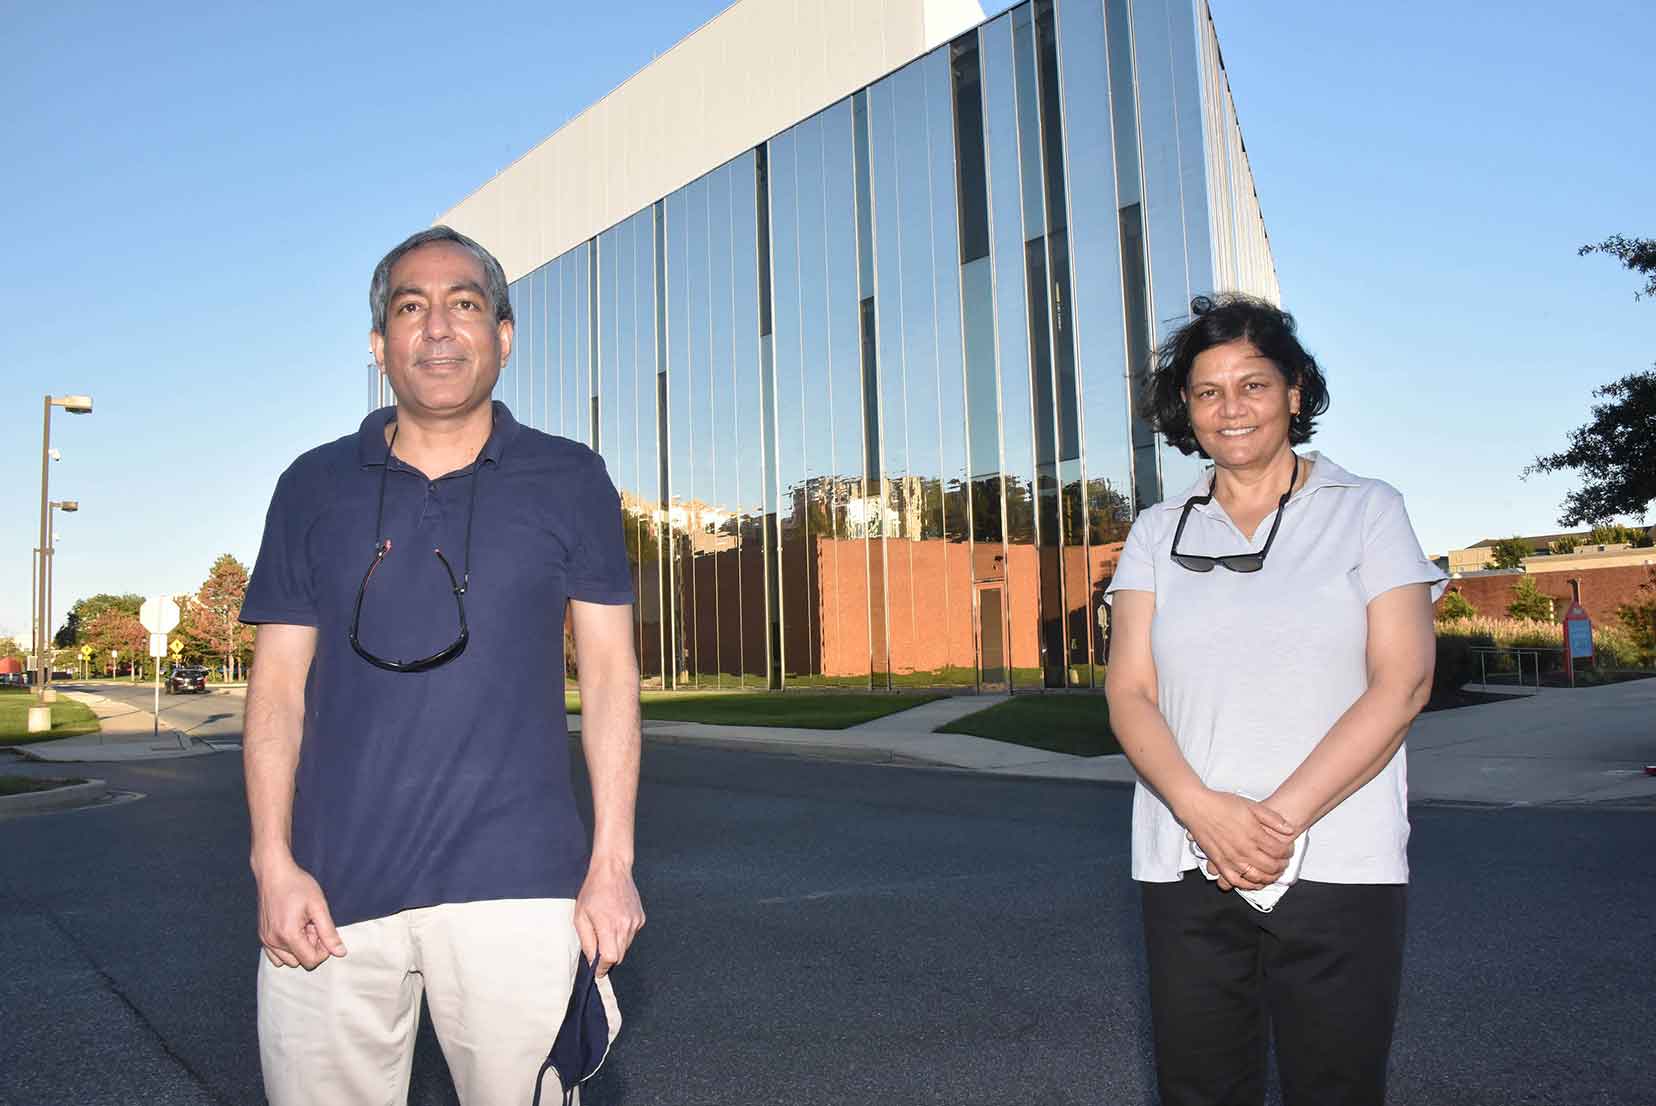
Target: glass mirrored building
(867, 376)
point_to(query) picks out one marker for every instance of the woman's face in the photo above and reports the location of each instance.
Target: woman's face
(1240, 405)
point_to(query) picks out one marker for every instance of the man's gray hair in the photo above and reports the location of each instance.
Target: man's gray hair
(494, 277)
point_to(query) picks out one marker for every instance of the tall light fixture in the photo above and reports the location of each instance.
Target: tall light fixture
(75, 405)
(67, 506)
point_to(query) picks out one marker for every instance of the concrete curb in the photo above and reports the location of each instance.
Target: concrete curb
(58, 798)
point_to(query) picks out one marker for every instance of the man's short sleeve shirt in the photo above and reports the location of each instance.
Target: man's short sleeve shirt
(449, 785)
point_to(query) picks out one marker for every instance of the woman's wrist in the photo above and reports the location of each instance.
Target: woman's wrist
(1186, 802)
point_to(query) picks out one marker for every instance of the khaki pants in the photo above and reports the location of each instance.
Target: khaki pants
(497, 976)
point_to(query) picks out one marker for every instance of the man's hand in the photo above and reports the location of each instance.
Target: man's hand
(295, 927)
(1248, 845)
(608, 913)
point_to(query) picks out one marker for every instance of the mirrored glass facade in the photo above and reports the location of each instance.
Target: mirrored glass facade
(870, 389)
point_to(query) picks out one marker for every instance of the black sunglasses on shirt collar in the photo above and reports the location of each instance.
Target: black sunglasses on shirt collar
(1236, 562)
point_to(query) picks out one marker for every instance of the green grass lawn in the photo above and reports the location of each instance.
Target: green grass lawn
(22, 785)
(1075, 723)
(825, 711)
(69, 718)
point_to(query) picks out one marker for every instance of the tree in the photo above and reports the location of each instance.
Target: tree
(1637, 254)
(1639, 616)
(1528, 602)
(1509, 552)
(69, 636)
(115, 628)
(208, 623)
(1615, 453)
(1567, 544)
(87, 610)
(1617, 534)
(1455, 605)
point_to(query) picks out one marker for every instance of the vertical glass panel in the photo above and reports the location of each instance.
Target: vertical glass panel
(1031, 173)
(817, 441)
(603, 384)
(796, 583)
(968, 123)
(746, 446)
(529, 321)
(1174, 202)
(589, 344)
(503, 383)
(680, 441)
(569, 337)
(1123, 94)
(1147, 482)
(651, 299)
(847, 597)
(1022, 595)
(767, 420)
(870, 504)
(1098, 310)
(521, 358)
(704, 641)
(889, 516)
(953, 661)
(722, 524)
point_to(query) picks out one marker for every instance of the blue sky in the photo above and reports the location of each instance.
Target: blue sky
(196, 199)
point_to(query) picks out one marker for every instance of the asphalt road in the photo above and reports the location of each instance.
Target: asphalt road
(215, 716)
(830, 933)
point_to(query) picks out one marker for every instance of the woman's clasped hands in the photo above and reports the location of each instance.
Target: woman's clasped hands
(1247, 844)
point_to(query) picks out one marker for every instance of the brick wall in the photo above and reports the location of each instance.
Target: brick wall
(1602, 589)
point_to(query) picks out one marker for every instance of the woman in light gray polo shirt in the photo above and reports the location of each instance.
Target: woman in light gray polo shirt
(1272, 642)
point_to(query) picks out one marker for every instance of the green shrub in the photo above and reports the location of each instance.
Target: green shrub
(1528, 602)
(1455, 605)
(1638, 618)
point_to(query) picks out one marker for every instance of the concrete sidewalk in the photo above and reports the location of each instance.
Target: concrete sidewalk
(128, 733)
(1588, 745)
(1554, 746)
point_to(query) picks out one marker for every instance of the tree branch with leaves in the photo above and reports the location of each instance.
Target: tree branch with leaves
(1636, 254)
(1615, 453)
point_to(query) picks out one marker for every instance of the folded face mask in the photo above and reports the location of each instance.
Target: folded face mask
(589, 1028)
(1265, 899)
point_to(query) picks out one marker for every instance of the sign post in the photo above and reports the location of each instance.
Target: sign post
(1578, 633)
(159, 614)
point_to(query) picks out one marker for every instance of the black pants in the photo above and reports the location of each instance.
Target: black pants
(1321, 972)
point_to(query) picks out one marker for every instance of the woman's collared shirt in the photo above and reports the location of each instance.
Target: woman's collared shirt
(1253, 669)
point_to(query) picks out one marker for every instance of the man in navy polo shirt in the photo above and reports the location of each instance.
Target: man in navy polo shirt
(414, 827)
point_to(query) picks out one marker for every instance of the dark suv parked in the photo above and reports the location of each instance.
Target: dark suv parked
(187, 678)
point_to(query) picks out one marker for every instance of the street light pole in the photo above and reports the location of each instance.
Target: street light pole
(40, 600)
(75, 405)
(68, 507)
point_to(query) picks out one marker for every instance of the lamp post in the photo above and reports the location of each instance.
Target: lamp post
(75, 405)
(67, 506)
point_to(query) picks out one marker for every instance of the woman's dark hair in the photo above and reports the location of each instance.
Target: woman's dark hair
(1213, 322)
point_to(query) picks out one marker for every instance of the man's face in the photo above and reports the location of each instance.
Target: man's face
(442, 348)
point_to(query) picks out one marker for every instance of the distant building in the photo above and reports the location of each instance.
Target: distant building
(1542, 558)
(1606, 576)
(853, 298)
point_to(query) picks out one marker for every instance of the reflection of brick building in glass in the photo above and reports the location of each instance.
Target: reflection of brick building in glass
(864, 380)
